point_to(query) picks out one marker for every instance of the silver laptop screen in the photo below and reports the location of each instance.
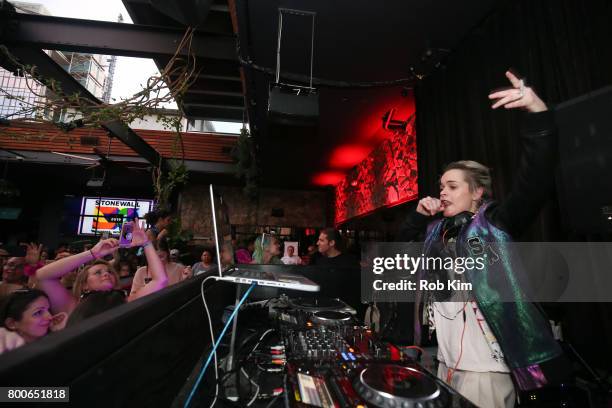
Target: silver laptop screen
(222, 231)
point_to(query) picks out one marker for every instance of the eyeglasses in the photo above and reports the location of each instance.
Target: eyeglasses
(85, 294)
(100, 272)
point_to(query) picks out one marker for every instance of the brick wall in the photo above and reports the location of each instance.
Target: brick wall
(301, 208)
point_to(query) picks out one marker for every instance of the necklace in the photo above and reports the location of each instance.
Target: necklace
(447, 317)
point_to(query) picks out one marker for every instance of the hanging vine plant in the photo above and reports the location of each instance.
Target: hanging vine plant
(244, 154)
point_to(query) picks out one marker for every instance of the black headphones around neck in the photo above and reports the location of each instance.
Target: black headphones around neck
(458, 220)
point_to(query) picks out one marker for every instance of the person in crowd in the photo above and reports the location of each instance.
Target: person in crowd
(312, 253)
(61, 255)
(44, 255)
(132, 260)
(4, 256)
(175, 273)
(62, 247)
(68, 279)
(13, 277)
(482, 343)
(124, 270)
(245, 251)
(159, 220)
(330, 247)
(99, 275)
(267, 250)
(25, 317)
(291, 258)
(206, 263)
(32, 262)
(227, 256)
(175, 255)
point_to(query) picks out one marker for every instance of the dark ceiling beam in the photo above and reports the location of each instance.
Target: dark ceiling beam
(101, 37)
(213, 106)
(48, 68)
(231, 101)
(209, 92)
(213, 68)
(136, 143)
(216, 85)
(142, 12)
(212, 112)
(221, 77)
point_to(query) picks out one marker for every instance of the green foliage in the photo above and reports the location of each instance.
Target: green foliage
(178, 237)
(165, 183)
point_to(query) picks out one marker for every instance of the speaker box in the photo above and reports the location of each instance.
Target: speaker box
(293, 106)
(585, 166)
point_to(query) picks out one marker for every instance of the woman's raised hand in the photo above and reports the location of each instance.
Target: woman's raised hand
(139, 235)
(32, 252)
(429, 206)
(519, 96)
(104, 247)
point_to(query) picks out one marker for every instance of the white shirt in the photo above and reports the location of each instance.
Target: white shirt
(479, 353)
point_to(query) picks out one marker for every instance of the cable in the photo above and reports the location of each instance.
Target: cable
(273, 401)
(212, 340)
(260, 339)
(227, 324)
(451, 372)
(252, 382)
(246, 374)
(246, 61)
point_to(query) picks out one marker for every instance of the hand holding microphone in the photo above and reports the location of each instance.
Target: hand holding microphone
(429, 206)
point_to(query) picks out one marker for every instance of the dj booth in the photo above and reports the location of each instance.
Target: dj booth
(291, 350)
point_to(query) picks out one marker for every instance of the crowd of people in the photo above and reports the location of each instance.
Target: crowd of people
(46, 291)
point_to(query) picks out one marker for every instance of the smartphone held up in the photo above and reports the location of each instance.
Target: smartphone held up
(125, 238)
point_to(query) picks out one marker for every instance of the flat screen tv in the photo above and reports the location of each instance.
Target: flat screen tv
(100, 215)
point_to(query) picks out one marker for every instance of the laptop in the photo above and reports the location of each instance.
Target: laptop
(246, 274)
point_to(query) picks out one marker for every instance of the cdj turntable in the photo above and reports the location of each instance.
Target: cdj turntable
(391, 385)
(310, 311)
(333, 362)
(331, 318)
(313, 305)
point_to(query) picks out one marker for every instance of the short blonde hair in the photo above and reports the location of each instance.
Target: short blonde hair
(476, 174)
(81, 279)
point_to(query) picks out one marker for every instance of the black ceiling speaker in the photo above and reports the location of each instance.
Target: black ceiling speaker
(192, 13)
(290, 105)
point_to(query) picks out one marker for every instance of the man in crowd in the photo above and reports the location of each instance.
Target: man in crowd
(331, 249)
(13, 277)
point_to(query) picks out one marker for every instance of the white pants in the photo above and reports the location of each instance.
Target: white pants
(486, 390)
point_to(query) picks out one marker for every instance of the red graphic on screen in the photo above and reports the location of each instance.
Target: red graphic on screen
(111, 218)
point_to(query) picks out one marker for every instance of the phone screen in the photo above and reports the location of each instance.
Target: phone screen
(125, 239)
